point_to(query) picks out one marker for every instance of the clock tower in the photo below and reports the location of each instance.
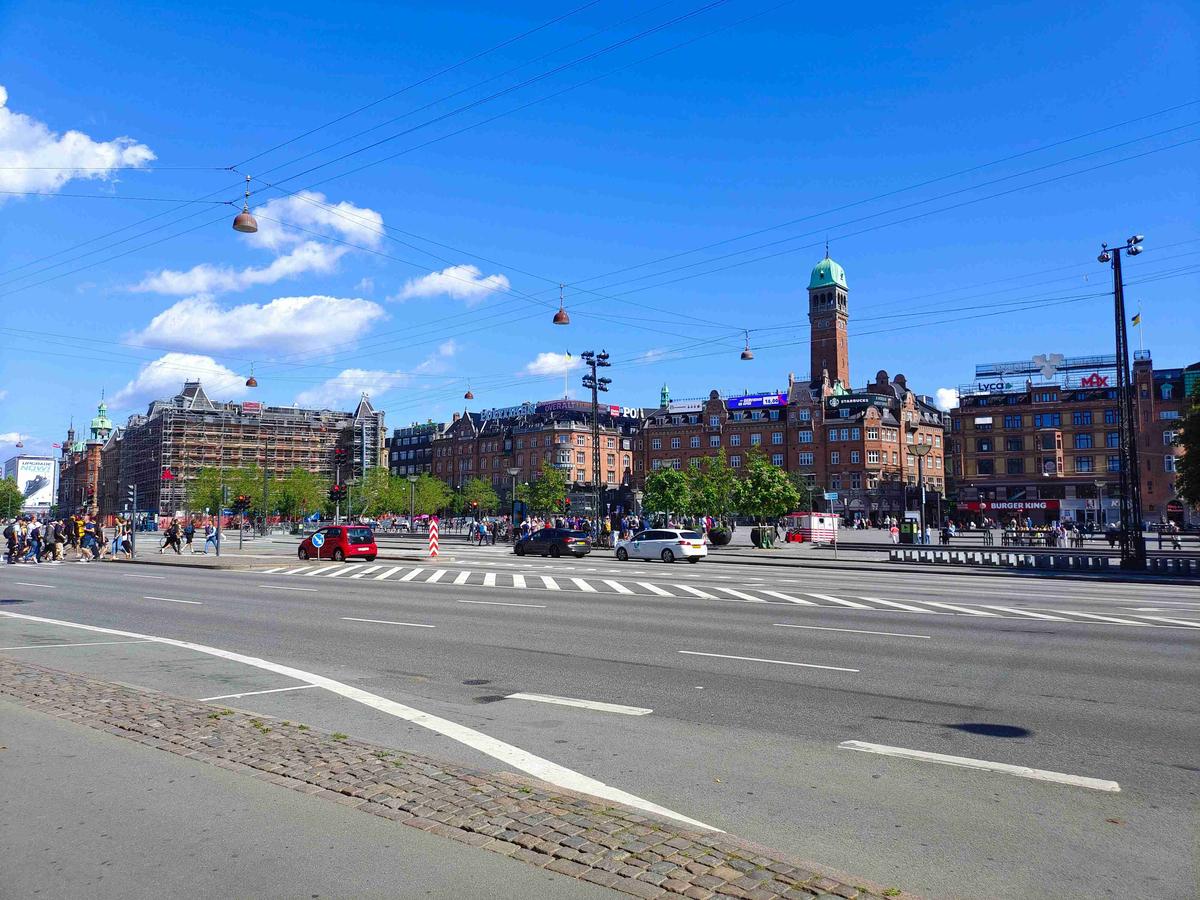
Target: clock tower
(827, 317)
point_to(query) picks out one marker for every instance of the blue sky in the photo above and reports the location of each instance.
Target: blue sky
(912, 139)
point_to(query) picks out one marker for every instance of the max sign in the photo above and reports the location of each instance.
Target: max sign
(1094, 380)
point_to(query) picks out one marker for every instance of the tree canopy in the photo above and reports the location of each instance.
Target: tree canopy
(667, 492)
(11, 498)
(547, 489)
(479, 491)
(1187, 467)
(765, 491)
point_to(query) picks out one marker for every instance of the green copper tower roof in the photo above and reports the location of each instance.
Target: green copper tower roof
(101, 424)
(827, 273)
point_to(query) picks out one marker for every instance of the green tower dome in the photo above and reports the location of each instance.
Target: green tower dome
(827, 273)
(102, 425)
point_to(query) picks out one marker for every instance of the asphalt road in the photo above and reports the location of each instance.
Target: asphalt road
(748, 714)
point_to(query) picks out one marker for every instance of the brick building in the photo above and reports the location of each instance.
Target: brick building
(79, 484)
(1038, 439)
(410, 450)
(855, 442)
(487, 444)
(162, 451)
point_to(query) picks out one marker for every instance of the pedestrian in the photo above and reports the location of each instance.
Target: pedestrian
(11, 533)
(211, 537)
(34, 545)
(894, 531)
(189, 532)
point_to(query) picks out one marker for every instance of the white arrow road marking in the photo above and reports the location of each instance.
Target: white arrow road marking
(506, 753)
(1096, 784)
(583, 704)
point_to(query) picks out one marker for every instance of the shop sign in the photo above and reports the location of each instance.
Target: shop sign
(1094, 380)
(757, 401)
(252, 408)
(628, 412)
(856, 402)
(508, 412)
(988, 387)
(1012, 505)
(685, 406)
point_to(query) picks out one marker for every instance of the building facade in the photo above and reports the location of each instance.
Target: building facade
(79, 466)
(1039, 439)
(559, 432)
(162, 452)
(410, 450)
(857, 443)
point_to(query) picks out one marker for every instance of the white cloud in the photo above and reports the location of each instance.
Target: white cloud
(311, 256)
(946, 398)
(312, 211)
(11, 437)
(365, 286)
(437, 361)
(460, 282)
(3, 394)
(34, 158)
(344, 390)
(164, 377)
(296, 323)
(552, 364)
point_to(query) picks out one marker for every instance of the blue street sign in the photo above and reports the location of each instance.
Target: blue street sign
(318, 540)
(831, 495)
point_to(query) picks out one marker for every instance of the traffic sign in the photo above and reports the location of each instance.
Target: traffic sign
(831, 495)
(318, 540)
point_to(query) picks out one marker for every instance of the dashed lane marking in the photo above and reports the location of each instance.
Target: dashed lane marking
(32, 584)
(437, 576)
(896, 604)
(170, 600)
(703, 595)
(777, 662)
(518, 581)
(1115, 619)
(284, 587)
(1026, 612)
(583, 586)
(500, 603)
(409, 576)
(1095, 784)
(337, 571)
(618, 587)
(850, 630)
(595, 705)
(386, 622)
(462, 577)
(1184, 622)
(550, 583)
(489, 579)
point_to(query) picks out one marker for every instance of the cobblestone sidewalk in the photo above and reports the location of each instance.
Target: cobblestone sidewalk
(571, 834)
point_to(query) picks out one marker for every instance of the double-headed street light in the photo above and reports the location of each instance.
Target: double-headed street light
(1133, 542)
(596, 361)
(920, 451)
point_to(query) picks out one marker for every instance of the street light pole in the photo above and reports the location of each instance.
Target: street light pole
(1133, 542)
(920, 451)
(512, 511)
(596, 361)
(412, 502)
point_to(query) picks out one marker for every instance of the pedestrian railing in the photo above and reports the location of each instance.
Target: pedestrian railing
(1024, 559)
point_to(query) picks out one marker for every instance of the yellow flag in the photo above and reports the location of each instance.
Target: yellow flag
(1137, 319)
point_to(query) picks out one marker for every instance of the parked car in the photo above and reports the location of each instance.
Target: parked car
(667, 544)
(340, 542)
(554, 542)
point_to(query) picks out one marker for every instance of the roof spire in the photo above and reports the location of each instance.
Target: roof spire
(827, 247)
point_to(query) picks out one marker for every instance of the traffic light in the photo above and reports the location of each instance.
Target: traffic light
(567, 502)
(131, 494)
(340, 455)
(337, 493)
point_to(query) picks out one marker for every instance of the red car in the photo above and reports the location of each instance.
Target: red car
(339, 542)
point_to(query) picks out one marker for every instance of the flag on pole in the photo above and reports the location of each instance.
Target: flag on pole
(1137, 319)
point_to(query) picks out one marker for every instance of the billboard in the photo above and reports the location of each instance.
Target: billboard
(757, 401)
(685, 406)
(35, 477)
(856, 402)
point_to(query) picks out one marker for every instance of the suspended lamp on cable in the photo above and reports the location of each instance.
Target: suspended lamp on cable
(747, 353)
(561, 317)
(251, 381)
(468, 395)
(243, 221)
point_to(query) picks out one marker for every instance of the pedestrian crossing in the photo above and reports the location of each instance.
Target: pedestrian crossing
(565, 584)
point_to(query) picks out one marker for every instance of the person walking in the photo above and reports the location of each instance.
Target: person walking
(210, 537)
(189, 533)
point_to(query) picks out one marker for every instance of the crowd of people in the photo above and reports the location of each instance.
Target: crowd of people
(35, 541)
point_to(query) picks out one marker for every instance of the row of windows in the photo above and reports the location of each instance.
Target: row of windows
(1083, 441)
(735, 440)
(735, 462)
(1080, 464)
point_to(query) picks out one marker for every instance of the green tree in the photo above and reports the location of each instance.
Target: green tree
(431, 495)
(376, 492)
(807, 493)
(711, 488)
(1187, 467)
(300, 494)
(667, 492)
(765, 492)
(11, 498)
(204, 490)
(547, 489)
(481, 492)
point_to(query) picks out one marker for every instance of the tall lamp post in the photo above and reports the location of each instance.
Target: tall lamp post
(1133, 542)
(920, 451)
(412, 503)
(512, 511)
(596, 361)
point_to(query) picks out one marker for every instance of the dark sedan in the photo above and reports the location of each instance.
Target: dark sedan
(554, 542)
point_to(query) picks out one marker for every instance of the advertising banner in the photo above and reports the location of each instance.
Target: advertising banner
(757, 401)
(856, 402)
(685, 406)
(35, 478)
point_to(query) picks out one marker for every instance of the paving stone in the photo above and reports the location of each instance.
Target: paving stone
(576, 836)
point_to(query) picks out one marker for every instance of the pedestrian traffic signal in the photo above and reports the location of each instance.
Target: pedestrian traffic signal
(340, 455)
(131, 494)
(337, 493)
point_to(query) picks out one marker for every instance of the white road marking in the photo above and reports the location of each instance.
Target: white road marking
(169, 600)
(284, 587)
(409, 576)
(506, 753)
(1114, 619)
(551, 584)
(296, 687)
(898, 605)
(499, 603)
(778, 662)
(367, 571)
(1096, 784)
(518, 581)
(132, 575)
(703, 595)
(295, 571)
(386, 622)
(392, 571)
(436, 576)
(851, 630)
(965, 610)
(838, 600)
(489, 579)
(462, 577)
(617, 586)
(654, 589)
(583, 704)
(788, 597)
(749, 598)
(1184, 622)
(315, 570)
(274, 571)
(1025, 612)
(84, 644)
(584, 586)
(342, 570)
(32, 584)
